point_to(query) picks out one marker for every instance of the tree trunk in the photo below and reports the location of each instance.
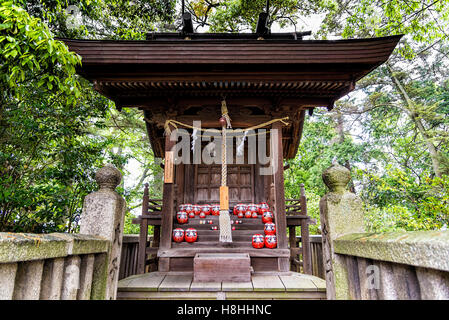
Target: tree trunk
(413, 114)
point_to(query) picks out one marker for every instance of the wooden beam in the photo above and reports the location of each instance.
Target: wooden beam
(279, 193)
(167, 212)
(190, 252)
(143, 236)
(237, 122)
(305, 241)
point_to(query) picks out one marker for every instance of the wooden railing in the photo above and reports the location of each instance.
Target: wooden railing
(130, 248)
(151, 216)
(296, 215)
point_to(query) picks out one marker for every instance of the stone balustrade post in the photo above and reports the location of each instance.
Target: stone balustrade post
(341, 213)
(103, 215)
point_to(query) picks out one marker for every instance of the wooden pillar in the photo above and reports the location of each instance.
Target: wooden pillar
(167, 211)
(292, 242)
(143, 236)
(188, 183)
(305, 240)
(279, 194)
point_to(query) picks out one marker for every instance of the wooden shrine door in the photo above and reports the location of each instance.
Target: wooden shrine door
(240, 181)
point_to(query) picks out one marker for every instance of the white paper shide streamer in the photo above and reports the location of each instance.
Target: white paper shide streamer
(241, 142)
(194, 137)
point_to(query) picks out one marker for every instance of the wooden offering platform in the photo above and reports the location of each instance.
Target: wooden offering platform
(218, 267)
(180, 285)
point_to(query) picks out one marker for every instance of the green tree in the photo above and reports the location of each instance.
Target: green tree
(47, 160)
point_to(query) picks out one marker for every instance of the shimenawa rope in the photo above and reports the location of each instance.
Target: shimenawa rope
(224, 219)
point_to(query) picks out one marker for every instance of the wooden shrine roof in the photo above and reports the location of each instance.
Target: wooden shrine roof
(261, 79)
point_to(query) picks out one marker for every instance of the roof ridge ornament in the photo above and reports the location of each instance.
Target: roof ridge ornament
(262, 27)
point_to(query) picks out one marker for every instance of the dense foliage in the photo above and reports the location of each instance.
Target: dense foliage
(56, 131)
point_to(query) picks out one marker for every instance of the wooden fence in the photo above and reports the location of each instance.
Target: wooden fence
(130, 248)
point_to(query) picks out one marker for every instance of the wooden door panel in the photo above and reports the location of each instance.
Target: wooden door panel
(239, 179)
(216, 178)
(214, 195)
(245, 194)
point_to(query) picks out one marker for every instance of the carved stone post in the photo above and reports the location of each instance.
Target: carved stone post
(341, 213)
(103, 215)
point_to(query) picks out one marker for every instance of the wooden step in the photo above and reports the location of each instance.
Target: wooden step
(216, 219)
(215, 238)
(212, 244)
(247, 224)
(189, 250)
(234, 232)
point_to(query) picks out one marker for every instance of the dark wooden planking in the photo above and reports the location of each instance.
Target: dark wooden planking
(181, 264)
(353, 277)
(264, 264)
(258, 52)
(217, 267)
(310, 47)
(245, 42)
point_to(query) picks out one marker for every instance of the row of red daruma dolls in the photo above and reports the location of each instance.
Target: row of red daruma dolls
(258, 240)
(241, 210)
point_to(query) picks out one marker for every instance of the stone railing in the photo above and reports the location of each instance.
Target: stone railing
(53, 266)
(395, 265)
(60, 266)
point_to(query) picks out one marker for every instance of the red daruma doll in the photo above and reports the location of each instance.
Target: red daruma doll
(258, 241)
(188, 208)
(240, 207)
(269, 228)
(267, 217)
(270, 241)
(196, 209)
(182, 207)
(215, 210)
(182, 217)
(263, 207)
(178, 235)
(248, 214)
(206, 209)
(253, 208)
(191, 235)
